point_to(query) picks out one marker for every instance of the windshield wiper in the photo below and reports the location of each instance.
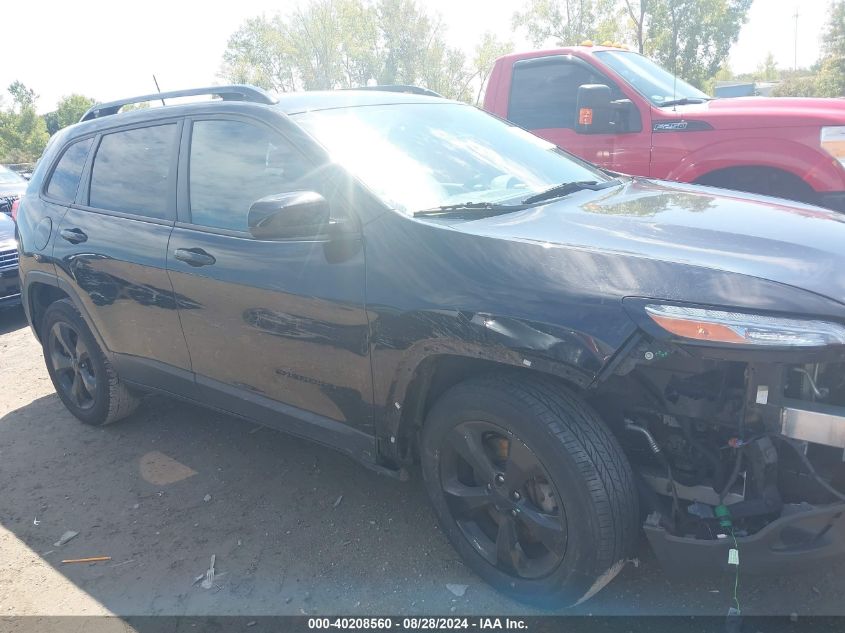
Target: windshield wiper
(474, 208)
(564, 189)
(682, 101)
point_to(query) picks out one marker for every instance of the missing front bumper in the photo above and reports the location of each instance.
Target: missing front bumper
(804, 537)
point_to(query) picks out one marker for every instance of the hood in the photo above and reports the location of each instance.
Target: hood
(767, 238)
(7, 231)
(12, 188)
(765, 111)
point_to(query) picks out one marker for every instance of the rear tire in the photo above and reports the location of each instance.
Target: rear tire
(530, 487)
(85, 380)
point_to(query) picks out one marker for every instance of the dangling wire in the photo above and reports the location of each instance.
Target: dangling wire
(736, 579)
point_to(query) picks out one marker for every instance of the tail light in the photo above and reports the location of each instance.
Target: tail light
(15, 205)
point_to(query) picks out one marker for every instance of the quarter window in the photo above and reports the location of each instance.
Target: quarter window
(232, 165)
(544, 92)
(65, 179)
(131, 171)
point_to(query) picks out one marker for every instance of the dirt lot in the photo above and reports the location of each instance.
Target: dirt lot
(164, 490)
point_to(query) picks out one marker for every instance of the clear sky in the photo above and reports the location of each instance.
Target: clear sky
(108, 49)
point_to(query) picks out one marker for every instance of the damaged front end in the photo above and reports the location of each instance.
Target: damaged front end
(736, 445)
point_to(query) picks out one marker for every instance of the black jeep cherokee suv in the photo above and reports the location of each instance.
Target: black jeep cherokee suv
(571, 356)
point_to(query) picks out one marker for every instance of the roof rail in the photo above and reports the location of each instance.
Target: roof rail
(227, 93)
(415, 90)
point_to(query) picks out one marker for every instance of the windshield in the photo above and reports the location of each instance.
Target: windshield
(421, 156)
(8, 177)
(653, 82)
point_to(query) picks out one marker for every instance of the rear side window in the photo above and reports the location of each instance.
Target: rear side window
(543, 93)
(65, 179)
(131, 171)
(232, 165)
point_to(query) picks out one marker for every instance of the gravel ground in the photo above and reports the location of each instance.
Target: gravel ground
(295, 528)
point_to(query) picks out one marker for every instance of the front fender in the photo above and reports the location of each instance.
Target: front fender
(812, 166)
(406, 346)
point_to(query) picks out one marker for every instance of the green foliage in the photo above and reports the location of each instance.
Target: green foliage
(828, 77)
(567, 22)
(22, 96)
(23, 134)
(71, 108)
(143, 105)
(68, 111)
(326, 44)
(768, 70)
(796, 86)
(832, 71)
(487, 51)
(406, 34)
(693, 37)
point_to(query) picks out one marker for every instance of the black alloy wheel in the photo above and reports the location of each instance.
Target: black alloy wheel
(530, 487)
(83, 376)
(503, 500)
(72, 365)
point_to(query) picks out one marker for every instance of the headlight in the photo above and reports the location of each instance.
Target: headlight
(717, 326)
(833, 142)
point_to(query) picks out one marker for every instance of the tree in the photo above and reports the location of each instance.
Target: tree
(258, 53)
(23, 134)
(637, 11)
(566, 22)
(346, 43)
(807, 86)
(831, 76)
(692, 37)
(768, 70)
(326, 44)
(487, 51)
(68, 111)
(406, 36)
(827, 77)
(21, 95)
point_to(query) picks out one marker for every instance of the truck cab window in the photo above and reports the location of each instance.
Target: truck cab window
(544, 92)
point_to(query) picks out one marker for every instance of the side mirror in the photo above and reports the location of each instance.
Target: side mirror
(289, 215)
(593, 109)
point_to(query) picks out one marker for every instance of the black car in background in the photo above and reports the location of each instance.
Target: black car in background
(10, 292)
(12, 186)
(571, 357)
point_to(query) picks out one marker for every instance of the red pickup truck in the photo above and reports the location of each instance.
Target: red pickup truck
(620, 110)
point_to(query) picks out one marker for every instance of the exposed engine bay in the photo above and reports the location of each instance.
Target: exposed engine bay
(726, 450)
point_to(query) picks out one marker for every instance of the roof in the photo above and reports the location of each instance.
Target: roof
(297, 102)
(288, 103)
(566, 50)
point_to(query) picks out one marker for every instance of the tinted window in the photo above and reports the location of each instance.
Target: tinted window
(543, 93)
(233, 164)
(65, 179)
(131, 171)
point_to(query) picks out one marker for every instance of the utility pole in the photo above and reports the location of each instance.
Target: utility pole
(795, 63)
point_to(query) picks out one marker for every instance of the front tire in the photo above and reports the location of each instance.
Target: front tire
(530, 487)
(85, 380)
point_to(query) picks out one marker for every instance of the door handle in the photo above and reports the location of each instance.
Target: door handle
(74, 236)
(194, 257)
